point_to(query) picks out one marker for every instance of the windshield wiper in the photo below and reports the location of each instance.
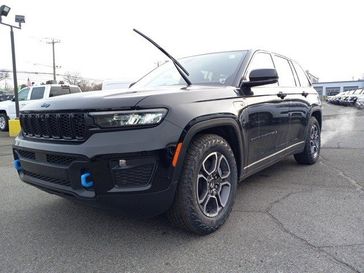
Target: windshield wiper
(181, 70)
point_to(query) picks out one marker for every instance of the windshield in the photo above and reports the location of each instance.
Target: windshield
(209, 69)
(23, 94)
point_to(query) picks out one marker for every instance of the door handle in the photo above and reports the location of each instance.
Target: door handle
(281, 95)
(304, 93)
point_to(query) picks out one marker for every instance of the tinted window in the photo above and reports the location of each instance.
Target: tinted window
(23, 94)
(301, 75)
(75, 89)
(285, 75)
(37, 93)
(59, 90)
(208, 69)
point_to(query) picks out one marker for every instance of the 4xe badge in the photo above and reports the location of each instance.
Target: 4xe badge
(45, 105)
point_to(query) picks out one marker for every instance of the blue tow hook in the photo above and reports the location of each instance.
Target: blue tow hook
(84, 182)
(17, 165)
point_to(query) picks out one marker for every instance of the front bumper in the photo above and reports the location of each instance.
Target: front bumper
(136, 183)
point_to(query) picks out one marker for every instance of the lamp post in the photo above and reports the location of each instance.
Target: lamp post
(4, 11)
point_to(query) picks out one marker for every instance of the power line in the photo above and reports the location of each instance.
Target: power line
(44, 73)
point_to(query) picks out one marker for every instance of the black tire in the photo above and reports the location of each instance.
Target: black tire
(311, 153)
(187, 210)
(4, 122)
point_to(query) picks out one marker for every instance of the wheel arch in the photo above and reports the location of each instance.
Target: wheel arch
(228, 128)
(318, 115)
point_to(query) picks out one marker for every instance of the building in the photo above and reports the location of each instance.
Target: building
(333, 88)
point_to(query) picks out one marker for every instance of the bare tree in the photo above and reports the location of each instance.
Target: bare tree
(90, 86)
(72, 78)
(84, 84)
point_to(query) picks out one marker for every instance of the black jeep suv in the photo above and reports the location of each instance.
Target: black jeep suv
(178, 141)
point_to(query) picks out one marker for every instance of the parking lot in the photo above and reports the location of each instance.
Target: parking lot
(288, 218)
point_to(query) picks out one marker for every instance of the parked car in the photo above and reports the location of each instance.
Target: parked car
(4, 97)
(359, 103)
(351, 99)
(340, 98)
(179, 141)
(335, 99)
(346, 99)
(29, 94)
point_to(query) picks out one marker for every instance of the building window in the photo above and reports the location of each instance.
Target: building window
(348, 88)
(332, 91)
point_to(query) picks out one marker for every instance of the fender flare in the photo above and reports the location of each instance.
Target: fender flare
(194, 127)
(316, 108)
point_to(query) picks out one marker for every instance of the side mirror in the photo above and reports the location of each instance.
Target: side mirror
(13, 99)
(260, 77)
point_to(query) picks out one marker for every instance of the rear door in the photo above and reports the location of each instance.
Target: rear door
(300, 104)
(265, 118)
(288, 86)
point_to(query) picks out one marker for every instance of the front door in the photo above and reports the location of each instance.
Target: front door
(265, 118)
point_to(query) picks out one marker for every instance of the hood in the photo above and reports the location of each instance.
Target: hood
(5, 104)
(126, 98)
(116, 99)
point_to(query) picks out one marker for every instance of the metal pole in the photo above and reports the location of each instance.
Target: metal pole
(14, 73)
(54, 62)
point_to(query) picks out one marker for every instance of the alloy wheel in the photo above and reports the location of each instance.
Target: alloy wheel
(213, 186)
(2, 123)
(314, 140)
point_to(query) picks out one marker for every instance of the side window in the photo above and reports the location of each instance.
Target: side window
(285, 75)
(260, 60)
(23, 94)
(75, 89)
(59, 90)
(301, 75)
(37, 93)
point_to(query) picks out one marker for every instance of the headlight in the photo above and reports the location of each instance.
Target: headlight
(135, 118)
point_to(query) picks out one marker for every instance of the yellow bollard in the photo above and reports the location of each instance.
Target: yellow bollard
(14, 127)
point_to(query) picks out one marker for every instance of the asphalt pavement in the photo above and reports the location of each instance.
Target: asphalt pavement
(287, 218)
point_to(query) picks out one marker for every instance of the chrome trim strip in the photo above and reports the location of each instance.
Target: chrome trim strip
(276, 153)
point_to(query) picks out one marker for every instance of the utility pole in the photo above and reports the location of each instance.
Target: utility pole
(53, 41)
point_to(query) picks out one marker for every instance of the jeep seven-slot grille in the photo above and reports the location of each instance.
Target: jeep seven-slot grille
(54, 126)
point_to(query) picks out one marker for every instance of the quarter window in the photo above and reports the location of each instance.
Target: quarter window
(302, 76)
(59, 90)
(285, 75)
